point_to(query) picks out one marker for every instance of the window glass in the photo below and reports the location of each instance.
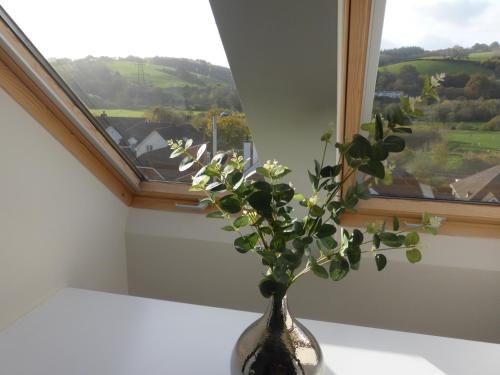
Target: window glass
(454, 151)
(148, 71)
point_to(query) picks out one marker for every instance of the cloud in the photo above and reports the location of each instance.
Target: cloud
(457, 12)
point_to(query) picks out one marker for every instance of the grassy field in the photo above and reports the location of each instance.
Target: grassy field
(473, 141)
(481, 56)
(156, 75)
(138, 113)
(430, 67)
(119, 112)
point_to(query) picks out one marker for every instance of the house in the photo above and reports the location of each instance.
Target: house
(403, 185)
(158, 138)
(480, 187)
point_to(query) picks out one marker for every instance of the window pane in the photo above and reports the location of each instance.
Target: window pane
(148, 71)
(454, 151)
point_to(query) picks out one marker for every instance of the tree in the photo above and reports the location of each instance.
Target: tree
(479, 86)
(232, 129)
(161, 114)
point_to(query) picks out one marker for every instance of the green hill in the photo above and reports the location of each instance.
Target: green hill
(138, 84)
(430, 67)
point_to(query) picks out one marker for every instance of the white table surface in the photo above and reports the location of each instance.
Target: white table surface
(79, 332)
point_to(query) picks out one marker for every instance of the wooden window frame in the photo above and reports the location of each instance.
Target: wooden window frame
(28, 82)
(467, 219)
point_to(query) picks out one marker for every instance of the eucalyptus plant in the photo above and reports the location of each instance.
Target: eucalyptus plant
(258, 205)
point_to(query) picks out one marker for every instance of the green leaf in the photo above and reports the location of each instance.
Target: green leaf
(376, 240)
(230, 204)
(414, 255)
(260, 200)
(339, 267)
(412, 239)
(283, 193)
(379, 153)
(263, 171)
(316, 211)
(357, 237)
(299, 197)
(228, 228)
(176, 153)
(354, 256)
(299, 245)
(395, 224)
(325, 230)
(318, 270)
(245, 243)
(200, 151)
(188, 143)
(317, 167)
(391, 239)
(381, 261)
(373, 168)
(241, 221)
(186, 163)
(215, 186)
(235, 178)
(360, 147)
(327, 243)
(379, 127)
(215, 215)
(314, 180)
(330, 171)
(393, 143)
(212, 170)
(268, 287)
(262, 185)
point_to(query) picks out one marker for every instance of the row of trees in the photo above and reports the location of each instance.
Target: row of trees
(395, 55)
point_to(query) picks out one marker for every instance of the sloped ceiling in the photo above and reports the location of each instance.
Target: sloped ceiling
(283, 55)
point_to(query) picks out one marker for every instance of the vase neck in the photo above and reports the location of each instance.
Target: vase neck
(277, 314)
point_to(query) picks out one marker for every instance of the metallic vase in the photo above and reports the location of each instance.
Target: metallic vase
(277, 344)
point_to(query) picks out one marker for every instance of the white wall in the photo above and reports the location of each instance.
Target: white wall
(59, 226)
(452, 292)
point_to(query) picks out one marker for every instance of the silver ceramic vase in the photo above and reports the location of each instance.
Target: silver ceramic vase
(277, 344)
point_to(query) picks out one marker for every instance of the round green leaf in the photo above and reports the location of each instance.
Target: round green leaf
(391, 239)
(260, 200)
(330, 171)
(230, 204)
(360, 147)
(245, 243)
(228, 228)
(319, 271)
(412, 239)
(316, 211)
(373, 168)
(381, 261)
(357, 237)
(339, 267)
(241, 222)
(326, 230)
(354, 256)
(414, 255)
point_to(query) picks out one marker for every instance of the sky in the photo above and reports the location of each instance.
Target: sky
(119, 28)
(436, 24)
(186, 28)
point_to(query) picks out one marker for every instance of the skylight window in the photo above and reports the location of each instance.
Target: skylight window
(147, 71)
(454, 151)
